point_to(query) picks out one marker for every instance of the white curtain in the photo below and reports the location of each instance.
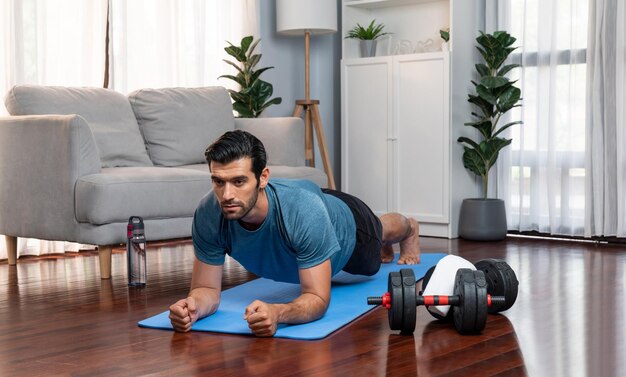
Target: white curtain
(154, 43)
(606, 119)
(541, 176)
(50, 43)
(165, 43)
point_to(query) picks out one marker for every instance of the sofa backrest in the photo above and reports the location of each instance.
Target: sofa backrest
(179, 123)
(107, 112)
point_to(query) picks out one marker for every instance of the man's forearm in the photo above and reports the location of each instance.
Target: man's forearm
(207, 299)
(306, 308)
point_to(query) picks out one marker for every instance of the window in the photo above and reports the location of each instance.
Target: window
(546, 185)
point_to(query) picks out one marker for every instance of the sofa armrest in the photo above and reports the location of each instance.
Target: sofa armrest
(41, 158)
(283, 138)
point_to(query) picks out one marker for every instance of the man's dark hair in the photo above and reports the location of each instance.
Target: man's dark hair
(234, 145)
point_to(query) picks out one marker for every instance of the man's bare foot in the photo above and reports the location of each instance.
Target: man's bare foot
(410, 246)
(387, 254)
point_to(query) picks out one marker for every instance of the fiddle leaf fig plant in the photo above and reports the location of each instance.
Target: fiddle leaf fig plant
(254, 95)
(495, 95)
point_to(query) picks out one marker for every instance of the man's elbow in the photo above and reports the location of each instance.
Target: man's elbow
(322, 306)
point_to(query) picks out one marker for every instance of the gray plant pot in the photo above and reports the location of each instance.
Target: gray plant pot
(368, 48)
(483, 220)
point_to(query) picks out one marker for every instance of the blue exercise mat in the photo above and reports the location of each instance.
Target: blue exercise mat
(348, 301)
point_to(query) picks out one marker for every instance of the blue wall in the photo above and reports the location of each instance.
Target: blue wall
(286, 55)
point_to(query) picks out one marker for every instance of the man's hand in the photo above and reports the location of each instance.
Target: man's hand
(203, 299)
(262, 318)
(183, 314)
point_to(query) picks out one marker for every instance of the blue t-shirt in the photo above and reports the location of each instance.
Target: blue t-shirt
(303, 228)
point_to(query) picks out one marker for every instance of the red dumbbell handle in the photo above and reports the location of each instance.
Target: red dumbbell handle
(385, 300)
(437, 300)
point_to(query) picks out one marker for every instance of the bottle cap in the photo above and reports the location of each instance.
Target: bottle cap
(136, 222)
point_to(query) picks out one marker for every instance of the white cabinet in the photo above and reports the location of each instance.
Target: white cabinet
(395, 150)
(395, 138)
(402, 114)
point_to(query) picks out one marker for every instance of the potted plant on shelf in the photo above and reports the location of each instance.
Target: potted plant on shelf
(253, 96)
(484, 218)
(367, 37)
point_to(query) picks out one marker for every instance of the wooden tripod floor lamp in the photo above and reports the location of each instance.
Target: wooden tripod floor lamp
(308, 17)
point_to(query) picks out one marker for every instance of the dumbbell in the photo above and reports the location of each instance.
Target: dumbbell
(470, 302)
(501, 281)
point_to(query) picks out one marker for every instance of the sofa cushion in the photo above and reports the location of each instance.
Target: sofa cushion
(115, 194)
(281, 136)
(179, 123)
(107, 113)
(280, 171)
(301, 172)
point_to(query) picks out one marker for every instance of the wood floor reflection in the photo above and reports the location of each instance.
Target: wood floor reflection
(57, 318)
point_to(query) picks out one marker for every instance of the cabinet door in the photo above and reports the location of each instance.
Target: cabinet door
(366, 117)
(421, 141)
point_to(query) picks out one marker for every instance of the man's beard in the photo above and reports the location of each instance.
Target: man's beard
(244, 208)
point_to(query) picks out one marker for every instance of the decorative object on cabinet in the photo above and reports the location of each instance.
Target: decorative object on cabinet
(304, 17)
(253, 96)
(367, 37)
(425, 46)
(403, 47)
(495, 95)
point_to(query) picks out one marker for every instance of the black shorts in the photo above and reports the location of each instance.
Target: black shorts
(365, 259)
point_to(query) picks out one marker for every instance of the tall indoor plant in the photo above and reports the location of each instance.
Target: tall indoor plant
(253, 96)
(367, 37)
(494, 96)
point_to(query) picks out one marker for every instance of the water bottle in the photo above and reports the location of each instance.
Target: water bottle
(136, 251)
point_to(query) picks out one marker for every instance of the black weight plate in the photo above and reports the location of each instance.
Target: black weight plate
(470, 316)
(394, 287)
(409, 305)
(501, 281)
(425, 281)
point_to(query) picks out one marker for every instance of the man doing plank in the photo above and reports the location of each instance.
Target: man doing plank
(284, 230)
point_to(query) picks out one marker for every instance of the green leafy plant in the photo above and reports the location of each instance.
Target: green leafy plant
(253, 97)
(495, 95)
(445, 34)
(369, 33)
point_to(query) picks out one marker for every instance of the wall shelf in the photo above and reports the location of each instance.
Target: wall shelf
(421, 55)
(407, 21)
(374, 4)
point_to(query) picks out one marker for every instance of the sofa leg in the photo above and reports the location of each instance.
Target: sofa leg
(11, 243)
(104, 253)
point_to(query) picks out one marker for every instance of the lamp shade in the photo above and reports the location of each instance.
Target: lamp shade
(294, 17)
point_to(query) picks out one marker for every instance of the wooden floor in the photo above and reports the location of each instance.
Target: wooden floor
(58, 318)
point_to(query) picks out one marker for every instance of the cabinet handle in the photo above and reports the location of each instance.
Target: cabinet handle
(392, 138)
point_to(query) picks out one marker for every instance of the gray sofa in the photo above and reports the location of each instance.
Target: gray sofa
(76, 163)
